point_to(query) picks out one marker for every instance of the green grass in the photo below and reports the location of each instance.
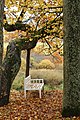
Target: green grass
(18, 82)
(52, 78)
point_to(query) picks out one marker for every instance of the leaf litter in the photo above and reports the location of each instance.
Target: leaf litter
(49, 107)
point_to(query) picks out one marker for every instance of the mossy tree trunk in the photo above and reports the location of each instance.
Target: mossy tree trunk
(10, 68)
(11, 65)
(71, 96)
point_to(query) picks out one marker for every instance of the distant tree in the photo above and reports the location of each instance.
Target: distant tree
(71, 95)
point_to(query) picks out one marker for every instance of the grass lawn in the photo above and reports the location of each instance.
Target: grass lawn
(52, 78)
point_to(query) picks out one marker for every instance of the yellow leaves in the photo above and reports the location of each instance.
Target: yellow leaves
(41, 2)
(7, 2)
(10, 3)
(39, 14)
(5, 21)
(12, 21)
(46, 64)
(36, 6)
(30, 39)
(33, 7)
(60, 2)
(21, 18)
(58, 41)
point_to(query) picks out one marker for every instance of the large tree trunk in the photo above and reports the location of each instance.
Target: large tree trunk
(1, 29)
(1, 37)
(71, 96)
(11, 65)
(10, 68)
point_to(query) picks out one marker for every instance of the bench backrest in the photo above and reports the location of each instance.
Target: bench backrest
(27, 80)
(37, 81)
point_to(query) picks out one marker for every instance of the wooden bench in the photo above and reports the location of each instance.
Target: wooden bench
(33, 84)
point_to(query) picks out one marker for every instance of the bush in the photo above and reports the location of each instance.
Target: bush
(47, 64)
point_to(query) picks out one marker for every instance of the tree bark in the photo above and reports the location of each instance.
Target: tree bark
(1, 37)
(1, 29)
(10, 68)
(11, 65)
(71, 95)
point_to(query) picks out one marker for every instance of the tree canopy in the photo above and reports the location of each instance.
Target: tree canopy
(39, 19)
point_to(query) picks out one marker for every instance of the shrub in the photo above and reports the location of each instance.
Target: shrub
(47, 64)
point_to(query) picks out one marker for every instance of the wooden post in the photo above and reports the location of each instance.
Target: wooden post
(27, 62)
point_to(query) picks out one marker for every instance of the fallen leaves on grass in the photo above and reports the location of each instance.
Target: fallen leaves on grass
(49, 107)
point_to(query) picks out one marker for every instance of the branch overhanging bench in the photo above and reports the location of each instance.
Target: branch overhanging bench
(33, 84)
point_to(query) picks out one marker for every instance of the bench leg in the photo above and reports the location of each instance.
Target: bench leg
(40, 93)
